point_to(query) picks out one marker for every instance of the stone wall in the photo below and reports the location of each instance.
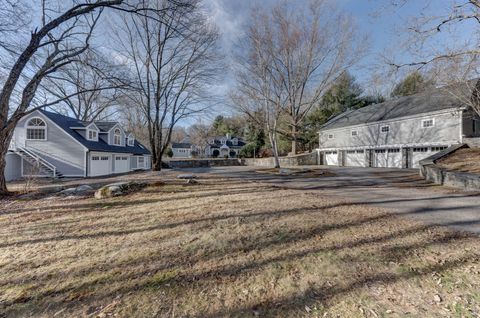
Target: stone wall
(455, 179)
(203, 163)
(297, 160)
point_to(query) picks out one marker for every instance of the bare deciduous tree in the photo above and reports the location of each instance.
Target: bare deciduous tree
(173, 64)
(443, 40)
(60, 36)
(258, 91)
(309, 49)
(89, 88)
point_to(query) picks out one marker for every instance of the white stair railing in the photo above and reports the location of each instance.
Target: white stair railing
(40, 160)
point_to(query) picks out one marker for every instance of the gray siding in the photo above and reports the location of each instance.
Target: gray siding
(59, 146)
(13, 169)
(402, 132)
(63, 167)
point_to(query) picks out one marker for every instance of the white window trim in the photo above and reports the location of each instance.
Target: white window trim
(131, 141)
(384, 126)
(88, 134)
(428, 119)
(119, 137)
(36, 127)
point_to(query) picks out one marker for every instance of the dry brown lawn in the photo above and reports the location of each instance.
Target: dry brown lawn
(226, 248)
(466, 160)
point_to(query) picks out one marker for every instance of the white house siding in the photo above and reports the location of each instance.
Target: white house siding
(13, 166)
(59, 146)
(182, 152)
(395, 148)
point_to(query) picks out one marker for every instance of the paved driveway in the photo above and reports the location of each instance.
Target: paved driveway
(398, 190)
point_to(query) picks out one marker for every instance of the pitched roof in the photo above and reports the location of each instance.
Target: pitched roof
(435, 99)
(66, 123)
(105, 125)
(181, 145)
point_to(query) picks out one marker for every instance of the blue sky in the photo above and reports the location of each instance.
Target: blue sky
(384, 23)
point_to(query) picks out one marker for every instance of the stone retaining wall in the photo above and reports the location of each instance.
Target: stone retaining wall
(202, 163)
(297, 160)
(450, 178)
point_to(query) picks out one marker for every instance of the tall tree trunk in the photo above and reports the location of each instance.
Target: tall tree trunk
(157, 162)
(5, 138)
(294, 140)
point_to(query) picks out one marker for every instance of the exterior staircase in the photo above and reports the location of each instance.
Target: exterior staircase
(45, 167)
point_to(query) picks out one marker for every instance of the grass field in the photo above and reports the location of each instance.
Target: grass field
(229, 248)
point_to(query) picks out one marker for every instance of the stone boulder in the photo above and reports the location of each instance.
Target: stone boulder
(118, 189)
(80, 190)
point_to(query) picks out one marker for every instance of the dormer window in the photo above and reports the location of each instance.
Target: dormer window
(92, 135)
(36, 129)
(117, 137)
(131, 141)
(235, 141)
(92, 132)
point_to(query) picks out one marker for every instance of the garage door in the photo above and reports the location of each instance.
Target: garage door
(355, 158)
(99, 165)
(420, 153)
(121, 164)
(388, 158)
(331, 158)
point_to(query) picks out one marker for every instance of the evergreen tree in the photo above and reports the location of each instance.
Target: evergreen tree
(344, 94)
(412, 84)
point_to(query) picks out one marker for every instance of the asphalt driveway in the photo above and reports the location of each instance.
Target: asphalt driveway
(400, 191)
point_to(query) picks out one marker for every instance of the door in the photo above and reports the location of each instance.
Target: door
(99, 165)
(121, 164)
(331, 158)
(420, 153)
(355, 158)
(380, 156)
(394, 158)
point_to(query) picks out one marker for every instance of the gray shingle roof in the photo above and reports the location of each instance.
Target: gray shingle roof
(105, 125)
(432, 100)
(66, 123)
(176, 145)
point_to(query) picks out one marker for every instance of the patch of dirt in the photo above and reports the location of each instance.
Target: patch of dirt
(229, 248)
(466, 160)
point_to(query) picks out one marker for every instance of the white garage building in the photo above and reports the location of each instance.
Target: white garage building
(401, 132)
(53, 145)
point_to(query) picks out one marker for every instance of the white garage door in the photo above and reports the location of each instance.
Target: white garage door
(99, 165)
(394, 158)
(331, 158)
(355, 158)
(420, 153)
(388, 158)
(121, 164)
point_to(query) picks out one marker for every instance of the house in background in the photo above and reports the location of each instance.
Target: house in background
(182, 149)
(52, 145)
(399, 133)
(222, 146)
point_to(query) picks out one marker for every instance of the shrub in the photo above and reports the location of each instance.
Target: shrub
(225, 156)
(169, 153)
